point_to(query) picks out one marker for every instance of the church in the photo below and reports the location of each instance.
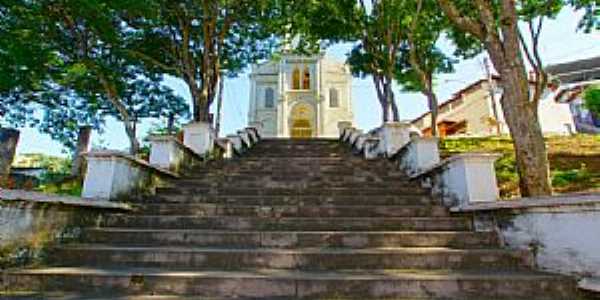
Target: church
(300, 96)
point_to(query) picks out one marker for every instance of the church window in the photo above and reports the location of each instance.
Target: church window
(334, 100)
(269, 98)
(306, 79)
(296, 79)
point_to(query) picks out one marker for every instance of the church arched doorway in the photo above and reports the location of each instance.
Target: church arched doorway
(302, 121)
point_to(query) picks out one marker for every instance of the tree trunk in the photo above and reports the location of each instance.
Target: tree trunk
(394, 106)
(219, 106)
(134, 145)
(83, 143)
(433, 108)
(390, 103)
(381, 96)
(9, 138)
(171, 124)
(528, 140)
(502, 42)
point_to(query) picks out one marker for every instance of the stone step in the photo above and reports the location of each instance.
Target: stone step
(297, 182)
(288, 224)
(300, 200)
(354, 191)
(271, 284)
(289, 239)
(276, 211)
(292, 259)
(378, 180)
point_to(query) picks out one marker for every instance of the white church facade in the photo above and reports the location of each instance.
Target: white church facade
(300, 97)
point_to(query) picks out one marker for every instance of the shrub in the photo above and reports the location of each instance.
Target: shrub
(591, 97)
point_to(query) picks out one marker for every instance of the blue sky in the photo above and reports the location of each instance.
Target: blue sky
(561, 42)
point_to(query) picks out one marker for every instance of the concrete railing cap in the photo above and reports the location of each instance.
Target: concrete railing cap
(115, 154)
(463, 156)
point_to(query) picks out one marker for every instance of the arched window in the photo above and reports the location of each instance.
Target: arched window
(306, 79)
(269, 98)
(334, 100)
(296, 79)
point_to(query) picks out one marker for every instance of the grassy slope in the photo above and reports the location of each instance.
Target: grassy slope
(574, 161)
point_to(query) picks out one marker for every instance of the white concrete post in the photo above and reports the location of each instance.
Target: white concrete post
(258, 125)
(227, 145)
(342, 126)
(200, 137)
(112, 174)
(245, 138)
(165, 152)
(354, 136)
(394, 136)
(109, 176)
(422, 154)
(471, 178)
(360, 142)
(236, 143)
(252, 135)
(346, 134)
(370, 147)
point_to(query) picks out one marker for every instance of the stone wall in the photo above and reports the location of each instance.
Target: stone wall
(29, 228)
(563, 231)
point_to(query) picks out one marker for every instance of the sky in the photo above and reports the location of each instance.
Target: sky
(560, 42)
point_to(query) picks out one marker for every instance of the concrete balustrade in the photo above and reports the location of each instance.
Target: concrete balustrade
(113, 175)
(200, 137)
(464, 179)
(345, 134)
(371, 147)
(354, 135)
(236, 143)
(227, 147)
(253, 134)
(359, 143)
(418, 155)
(394, 136)
(245, 136)
(459, 180)
(167, 152)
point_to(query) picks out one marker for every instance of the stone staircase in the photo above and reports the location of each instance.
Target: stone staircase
(292, 219)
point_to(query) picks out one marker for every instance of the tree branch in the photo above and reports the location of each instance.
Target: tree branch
(464, 23)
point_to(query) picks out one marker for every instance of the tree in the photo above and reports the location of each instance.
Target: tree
(84, 43)
(373, 26)
(378, 52)
(496, 26)
(69, 119)
(592, 99)
(426, 26)
(149, 98)
(198, 41)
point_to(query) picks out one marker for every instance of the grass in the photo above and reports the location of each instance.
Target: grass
(574, 161)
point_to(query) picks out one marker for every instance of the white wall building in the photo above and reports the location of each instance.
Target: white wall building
(300, 96)
(470, 112)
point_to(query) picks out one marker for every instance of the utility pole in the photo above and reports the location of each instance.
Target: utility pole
(491, 90)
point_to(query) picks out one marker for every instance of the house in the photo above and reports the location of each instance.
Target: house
(572, 78)
(476, 111)
(300, 96)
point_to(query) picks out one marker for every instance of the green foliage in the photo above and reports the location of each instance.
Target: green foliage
(592, 99)
(37, 160)
(565, 178)
(60, 184)
(563, 151)
(197, 42)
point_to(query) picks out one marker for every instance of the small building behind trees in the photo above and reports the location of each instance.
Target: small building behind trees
(472, 112)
